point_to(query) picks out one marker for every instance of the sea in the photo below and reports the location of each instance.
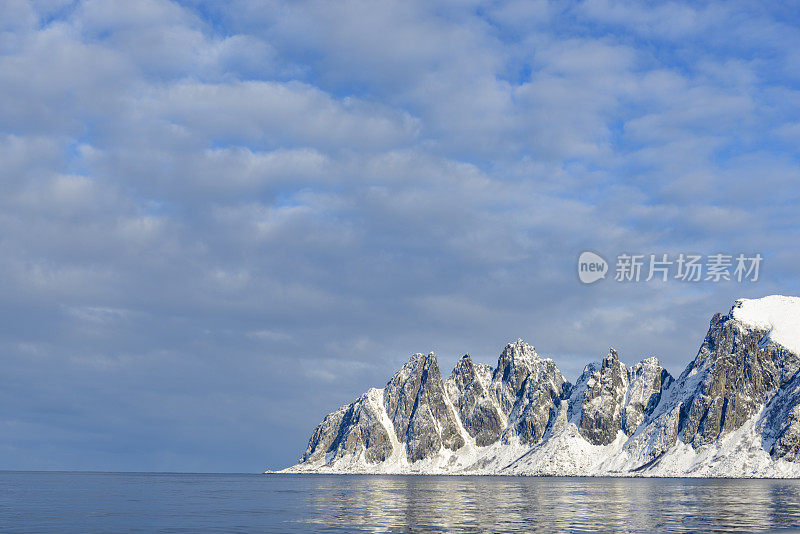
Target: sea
(182, 502)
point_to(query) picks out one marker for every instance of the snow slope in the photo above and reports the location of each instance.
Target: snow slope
(778, 314)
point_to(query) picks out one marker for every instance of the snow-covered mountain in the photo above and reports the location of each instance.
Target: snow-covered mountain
(733, 412)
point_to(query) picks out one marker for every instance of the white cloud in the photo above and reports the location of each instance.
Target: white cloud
(276, 115)
(340, 184)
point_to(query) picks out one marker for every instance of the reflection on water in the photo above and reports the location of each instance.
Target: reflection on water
(505, 504)
(159, 502)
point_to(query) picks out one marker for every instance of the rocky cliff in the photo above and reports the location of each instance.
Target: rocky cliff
(734, 411)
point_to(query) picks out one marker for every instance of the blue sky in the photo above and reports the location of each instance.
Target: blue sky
(220, 221)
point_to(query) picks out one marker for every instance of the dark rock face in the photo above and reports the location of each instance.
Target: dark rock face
(609, 397)
(787, 446)
(468, 390)
(324, 435)
(578, 391)
(421, 417)
(736, 371)
(513, 367)
(781, 428)
(417, 405)
(734, 376)
(603, 408)
(537, 403)
(349, 431)
(646, 381)
(361, 429)
(527, 390)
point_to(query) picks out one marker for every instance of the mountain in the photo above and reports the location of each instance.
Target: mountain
(733, 412)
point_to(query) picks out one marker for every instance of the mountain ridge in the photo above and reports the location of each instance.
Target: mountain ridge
(734, 411)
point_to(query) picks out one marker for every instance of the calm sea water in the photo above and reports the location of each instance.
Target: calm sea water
(159, 502)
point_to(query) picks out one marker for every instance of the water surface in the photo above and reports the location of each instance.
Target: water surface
(162, 502)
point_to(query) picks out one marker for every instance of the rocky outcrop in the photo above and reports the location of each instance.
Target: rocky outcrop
(603, 407)
(355, 429)
(616, 398)
(737, 370)
(734, 411)
(468, 390)
(737, 375)
(781, 422)
(513, 367)
(419, 409)
(537, 403)
(647, 380)
(413, 411)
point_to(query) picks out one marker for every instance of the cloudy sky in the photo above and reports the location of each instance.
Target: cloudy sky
(220, 221)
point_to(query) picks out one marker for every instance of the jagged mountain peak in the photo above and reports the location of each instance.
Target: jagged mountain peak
(514, 365)
(417, 405)
(418, 357)
(603, 407)
(416, 363)
(611, 360)
(734, 411)
(466, 370)
(515, 362)
(736, 370)
(650, 361)
(464, 362)
(518, 351)
(469, 390)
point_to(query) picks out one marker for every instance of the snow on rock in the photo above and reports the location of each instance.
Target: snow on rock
(603, 407)
(733, 412)
(514, 365)
(537, 403)
(417, 405)
(647, 380)
(778, 315)
(468, 390)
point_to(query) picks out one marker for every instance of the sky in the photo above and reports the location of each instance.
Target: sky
(221, 221)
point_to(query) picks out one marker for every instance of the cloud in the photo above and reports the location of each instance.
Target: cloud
(276, 114)
(220, 222)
